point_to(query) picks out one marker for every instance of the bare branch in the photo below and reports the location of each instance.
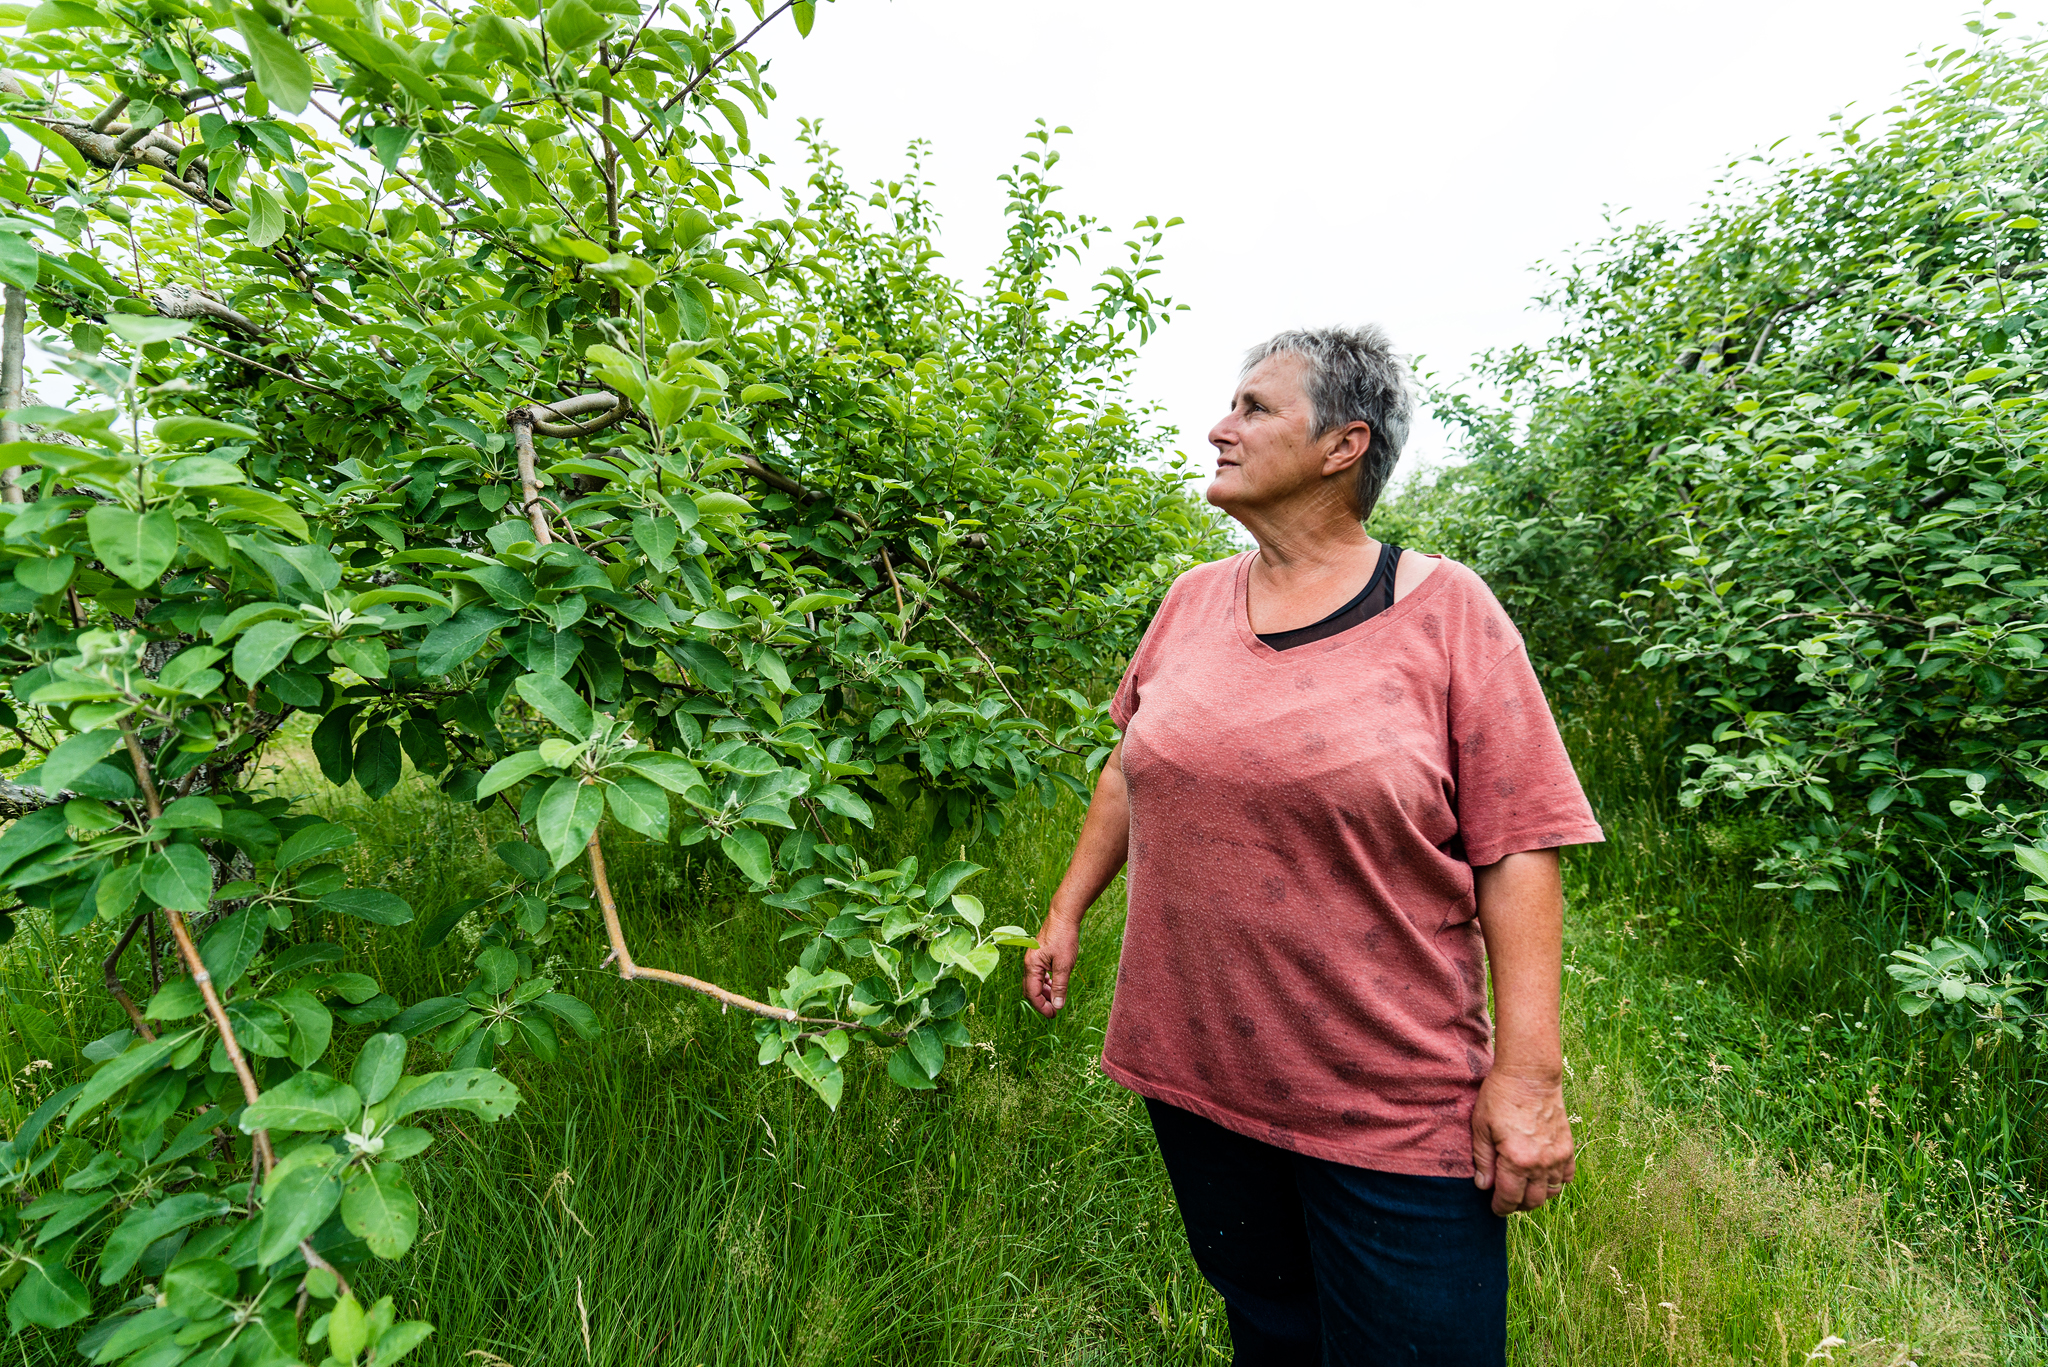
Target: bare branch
(610, 408)
(634, 972)
(109, 114)
(13, 340)
(110, 972)
(183, 301)
(521, 422)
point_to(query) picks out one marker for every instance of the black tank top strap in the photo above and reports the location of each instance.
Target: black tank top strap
(1376, 597)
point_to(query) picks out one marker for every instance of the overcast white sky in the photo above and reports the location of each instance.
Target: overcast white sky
(1340, 161)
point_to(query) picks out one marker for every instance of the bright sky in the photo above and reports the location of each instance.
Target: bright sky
(1338, 161)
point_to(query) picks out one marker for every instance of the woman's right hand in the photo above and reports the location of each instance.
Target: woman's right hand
(1104, 842)
(1047, 968)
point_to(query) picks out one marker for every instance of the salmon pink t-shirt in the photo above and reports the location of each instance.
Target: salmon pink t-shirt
(1302, 961)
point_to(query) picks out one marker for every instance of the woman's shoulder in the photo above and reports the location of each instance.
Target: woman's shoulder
(1464, 606)
(1211, 579)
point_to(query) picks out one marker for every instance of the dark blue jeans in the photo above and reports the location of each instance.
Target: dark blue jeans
(1324, 1265)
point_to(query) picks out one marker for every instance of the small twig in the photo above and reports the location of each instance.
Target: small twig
(993, 672)
(238, 356)
(110, 969)
(716, 62)
(902, 623)
(632, 971)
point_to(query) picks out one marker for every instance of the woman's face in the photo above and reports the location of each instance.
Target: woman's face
(1264, 451)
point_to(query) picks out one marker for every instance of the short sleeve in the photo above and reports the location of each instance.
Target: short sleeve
(1516, 788)
(1123, 705)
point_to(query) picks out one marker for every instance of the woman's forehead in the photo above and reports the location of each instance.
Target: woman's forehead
(1275, 380)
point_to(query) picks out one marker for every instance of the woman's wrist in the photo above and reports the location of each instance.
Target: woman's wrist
(1063, 915)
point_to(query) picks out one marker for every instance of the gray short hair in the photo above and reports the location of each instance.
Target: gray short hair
(1354, 375)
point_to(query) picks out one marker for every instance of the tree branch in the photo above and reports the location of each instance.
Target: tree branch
(13, 341)
(716, 62)
(631, 971)
(183, 301)
(110, 971)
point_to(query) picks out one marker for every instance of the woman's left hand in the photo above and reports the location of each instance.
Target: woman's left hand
(1521, 1141)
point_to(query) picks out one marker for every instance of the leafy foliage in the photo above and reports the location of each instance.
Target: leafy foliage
(1794, 454)
(466, 383)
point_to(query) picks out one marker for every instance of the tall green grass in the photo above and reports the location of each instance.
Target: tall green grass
(1744, 1196)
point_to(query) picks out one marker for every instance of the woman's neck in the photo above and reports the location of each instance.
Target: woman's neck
(1306, 540)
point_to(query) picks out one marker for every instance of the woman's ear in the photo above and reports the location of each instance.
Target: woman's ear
(1346, 447)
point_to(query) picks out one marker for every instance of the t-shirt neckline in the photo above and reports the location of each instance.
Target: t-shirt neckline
(1369, 627)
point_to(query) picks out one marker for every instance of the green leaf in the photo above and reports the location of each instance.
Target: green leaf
(577, 1014)
(672, 772)
(905, 1071)
(184, 429)
(510, 770)
(836, 797)
(202, 1290)
(378, 1067)
(369, 904)
(49, 1295)
(135, 547)
(145, 1225)
(232, 945)
(281, 73)
(379, 1208)
(19, 263)
(73, 757)
(48, 137)
(656, 537)
(574, 24)
(263, 647)
(45, 574)
(923, 1043)
(557, 702)
(719, 504)
(312, 1024)
(62, 14)
(379, 761)
(819, 1071)
(748, 848)
(347, 1329)
(478, 1091)
(639, 805)
(253, 505)
(2034, 861)
(804, 13)
(179, 877)
(295, 1204)
(946, 879)
(366, 655)
(312, 842)
(139, 1061)
(117, 890)
(568, 817)
(458, 638)
(305, 1101)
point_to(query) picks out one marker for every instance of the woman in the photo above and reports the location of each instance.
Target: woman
(1329, 797)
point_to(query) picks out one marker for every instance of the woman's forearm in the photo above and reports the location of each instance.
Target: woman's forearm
(1103, 846)
(1521, 914)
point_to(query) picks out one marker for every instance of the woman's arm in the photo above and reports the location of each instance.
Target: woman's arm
(1521, 1138)
(1099, 853)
